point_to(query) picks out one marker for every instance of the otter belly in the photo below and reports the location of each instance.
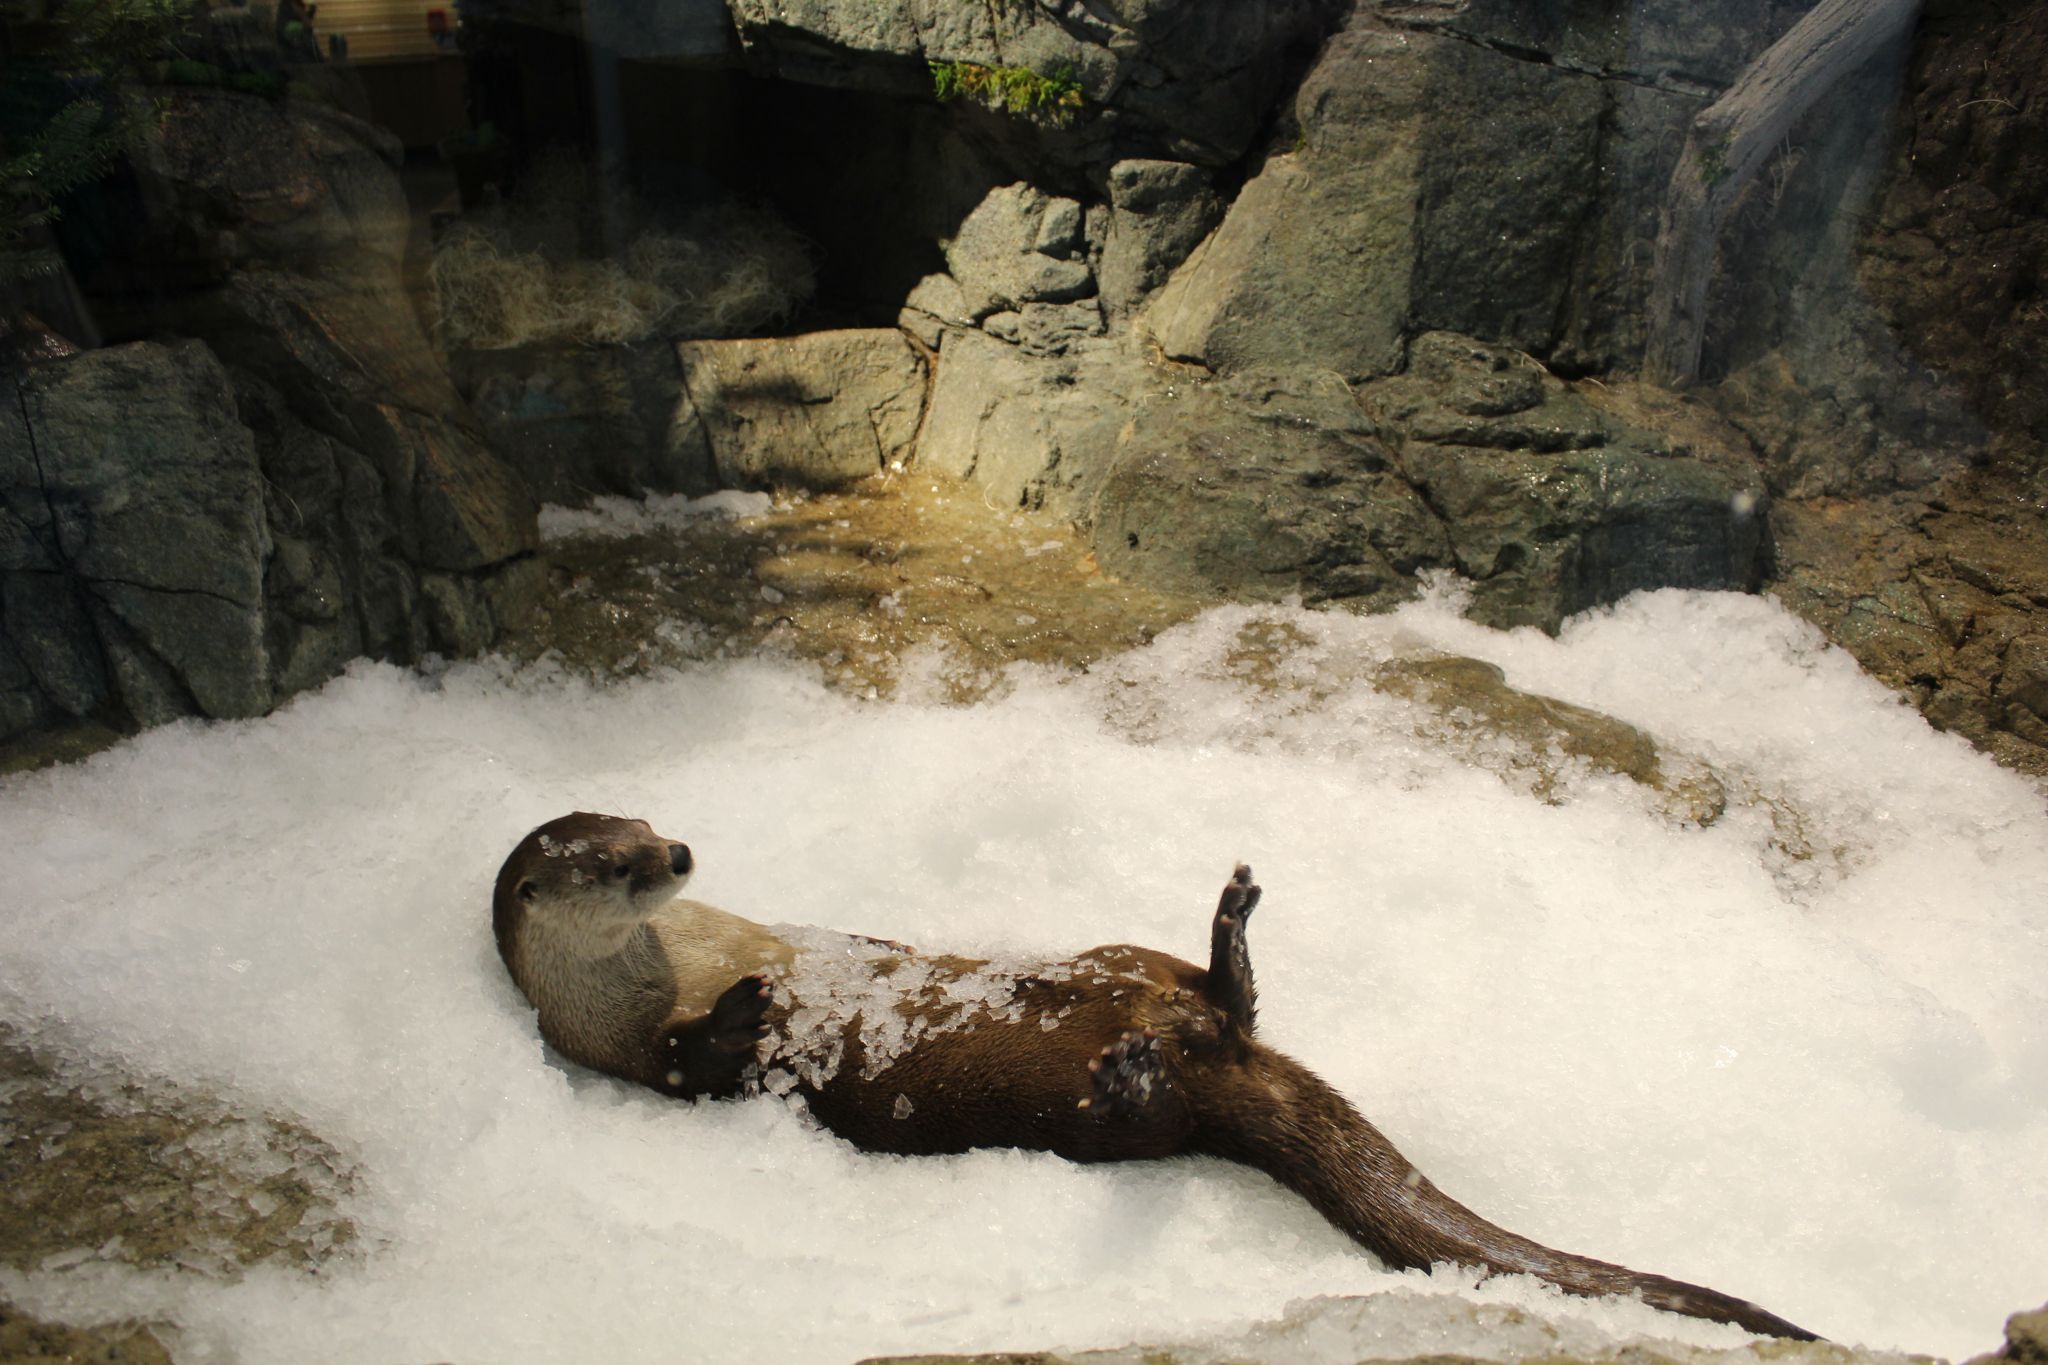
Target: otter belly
(898, 1052)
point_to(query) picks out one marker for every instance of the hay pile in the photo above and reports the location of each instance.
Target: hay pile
(563, 261)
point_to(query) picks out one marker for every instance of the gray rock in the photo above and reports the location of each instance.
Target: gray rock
(1399, 212)
(1501, 200)
(137, 487)
(1159, 212)
(1551, 505)
(575, 421)
(1547, 535)
(997, 256)
(821, 410)
(233, 519)
(1313, 265)
(1263, 487)
(233, 180)
(2023, 681)
(1047, 329)
(1188, 79)
(1682, 45)
(1267, 485)
(1028, 430)
(942, 298)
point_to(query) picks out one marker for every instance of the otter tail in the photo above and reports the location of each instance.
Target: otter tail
(1277, 1115)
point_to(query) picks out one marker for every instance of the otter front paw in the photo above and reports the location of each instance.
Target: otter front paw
(1126, 1075)
(710, 1055)
(738, 1017)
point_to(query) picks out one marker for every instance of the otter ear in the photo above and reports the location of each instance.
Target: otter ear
(526, 890)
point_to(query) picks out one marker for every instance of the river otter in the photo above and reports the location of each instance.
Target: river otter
(1118, 1053)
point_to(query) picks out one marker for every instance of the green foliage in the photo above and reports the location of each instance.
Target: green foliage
(1714, 162)
(1053, 98)
(185, 71)
(67, 117)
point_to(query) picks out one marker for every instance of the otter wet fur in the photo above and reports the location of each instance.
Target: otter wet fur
(1116, 1054)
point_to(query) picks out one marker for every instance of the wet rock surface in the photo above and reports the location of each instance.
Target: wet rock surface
(152, 1178)
(887, 585)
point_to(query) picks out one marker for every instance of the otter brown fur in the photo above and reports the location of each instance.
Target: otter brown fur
(1118, 1053)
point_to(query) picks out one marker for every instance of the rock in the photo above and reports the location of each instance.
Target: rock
(300, 486)
(1026, 429)
(1955, 255)
(1312, 266)
(1398, 210)
(1492, 258)
(1472, 698)
(1553, 506)
(1004, 254)
(1159, 212)
(820, 410)
(1047, 329)
(1935, 603)
(1670, 44)
(29, 1340)
(2026, 1337)
(574, 421)
(1263, 488)
(2023, 681)
(942, 303)
(2026, 1341)
(230, 180)
(154, 565)
(1191, 81)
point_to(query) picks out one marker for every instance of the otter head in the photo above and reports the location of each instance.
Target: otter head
(591, 878)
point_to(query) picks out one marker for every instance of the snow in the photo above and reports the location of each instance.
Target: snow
(1796, 1054)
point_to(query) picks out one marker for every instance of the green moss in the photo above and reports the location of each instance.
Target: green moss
(1714, 161)
(1053, 98)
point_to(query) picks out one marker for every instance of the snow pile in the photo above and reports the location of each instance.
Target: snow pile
(1806, 1070)
(615, 517)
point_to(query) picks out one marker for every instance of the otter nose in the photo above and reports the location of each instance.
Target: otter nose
(679, 859)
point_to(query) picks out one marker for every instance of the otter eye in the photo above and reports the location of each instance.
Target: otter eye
(526, 891)
(621, 872)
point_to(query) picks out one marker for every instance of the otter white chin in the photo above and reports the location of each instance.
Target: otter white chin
(1117, 1053)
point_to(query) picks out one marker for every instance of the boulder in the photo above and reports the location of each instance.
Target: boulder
(821, 410)
(1188, 79)
(575, 421)
(1159, 212)
(1276, 484)
(1264, 487)
(1029, 430)
(1553, 505)
(231, 519)
(133, 568)
(1018, 246)
(1312, 266)
(1398, 209)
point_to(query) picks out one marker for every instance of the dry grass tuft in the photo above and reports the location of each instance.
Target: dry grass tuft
(537, 269)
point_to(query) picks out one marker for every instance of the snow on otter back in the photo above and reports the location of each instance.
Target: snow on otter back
(1796, 1054)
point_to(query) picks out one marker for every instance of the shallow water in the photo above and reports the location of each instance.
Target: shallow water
(1807, 1070)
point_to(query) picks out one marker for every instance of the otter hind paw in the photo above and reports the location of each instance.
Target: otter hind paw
(1127, 1075)
(1240, 895)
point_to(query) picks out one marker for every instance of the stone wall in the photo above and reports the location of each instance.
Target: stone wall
(208, 523)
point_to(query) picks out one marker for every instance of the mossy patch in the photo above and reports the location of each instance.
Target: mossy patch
(1052, 98)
